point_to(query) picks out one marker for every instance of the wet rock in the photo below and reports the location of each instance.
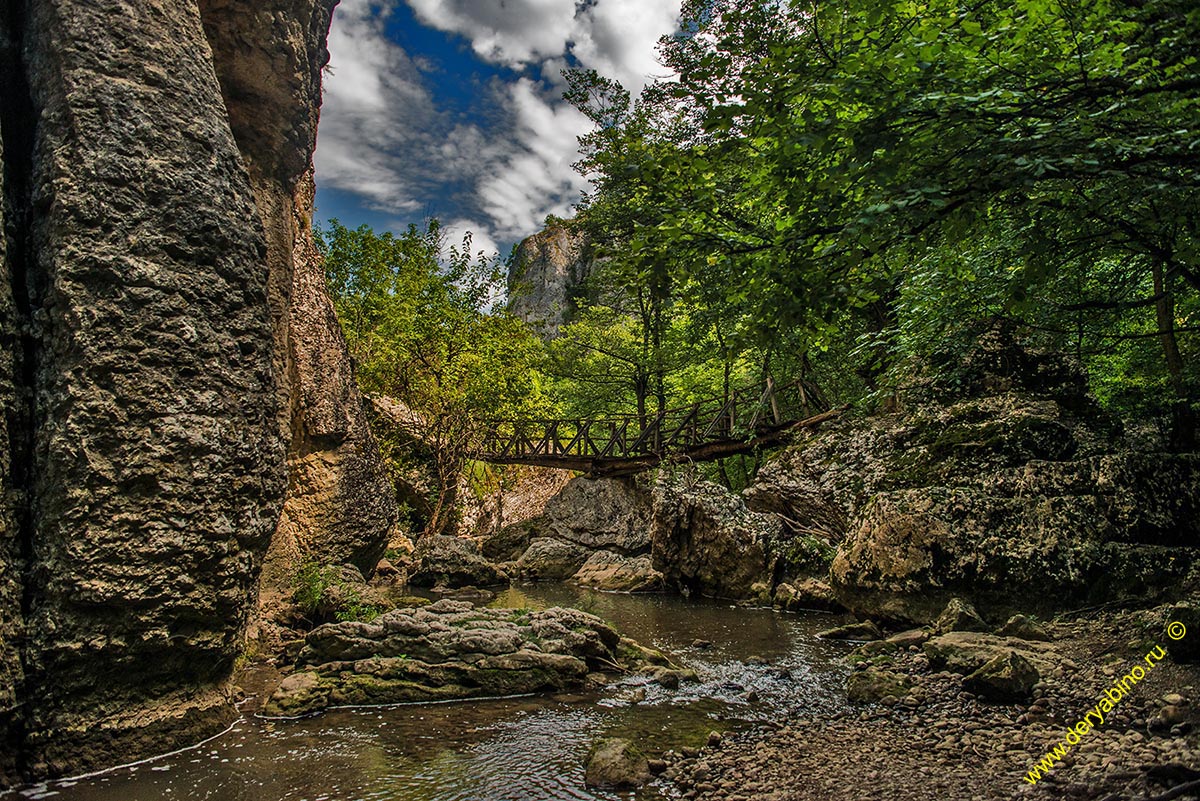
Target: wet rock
(704, 540)
(959, 615)
(551, 559)
(872, 685)
(702, 644)
(474, 595)
(808, 593)
(616, 764)
(300, 693)
(452, 562)
(865, 631)
(606, 570)
(1023, 628)
(1008, 678)
(449, 650)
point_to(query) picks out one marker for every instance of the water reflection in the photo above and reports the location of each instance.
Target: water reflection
(761, 664)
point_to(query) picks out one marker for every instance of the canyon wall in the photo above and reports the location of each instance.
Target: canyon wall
(170, 361)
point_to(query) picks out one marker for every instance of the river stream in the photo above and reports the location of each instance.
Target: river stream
(761, 666)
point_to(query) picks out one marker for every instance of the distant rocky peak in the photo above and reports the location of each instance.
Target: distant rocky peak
(547, 275)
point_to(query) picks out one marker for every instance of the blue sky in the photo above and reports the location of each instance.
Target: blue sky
(453, 108)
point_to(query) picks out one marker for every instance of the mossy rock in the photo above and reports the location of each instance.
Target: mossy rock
(872, 685)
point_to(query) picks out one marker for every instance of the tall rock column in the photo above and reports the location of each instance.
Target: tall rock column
(170, 356)
(157, 465)
(11, 443)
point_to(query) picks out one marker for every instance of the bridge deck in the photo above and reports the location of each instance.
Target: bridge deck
(746, 420)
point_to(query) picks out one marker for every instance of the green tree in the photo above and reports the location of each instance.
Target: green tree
(813, 162)
(424, 329)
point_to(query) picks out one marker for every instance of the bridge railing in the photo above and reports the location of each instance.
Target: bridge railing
(742, 415)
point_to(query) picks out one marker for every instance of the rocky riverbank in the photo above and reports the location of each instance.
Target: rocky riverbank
(936, 738)
(452, 650)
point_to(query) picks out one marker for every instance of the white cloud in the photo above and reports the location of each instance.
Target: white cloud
(535, 177)
(510, 32)
(480, 241)
(371, 83)
(384, 137)
(617, 38)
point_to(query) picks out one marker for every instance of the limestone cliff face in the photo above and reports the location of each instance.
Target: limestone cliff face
(268, 58)
(546, 276)
(162, 363)
(1006, 486)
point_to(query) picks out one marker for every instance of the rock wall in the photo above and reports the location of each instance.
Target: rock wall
(164, 335)
(1008, 487)
(12, 428)
(546, 276)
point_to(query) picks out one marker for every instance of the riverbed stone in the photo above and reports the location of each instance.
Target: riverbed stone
(960, 615)
(865, 631)
(616, 764)
(551, 559)
(1007, 678)
(873, 685)
(1023, 627)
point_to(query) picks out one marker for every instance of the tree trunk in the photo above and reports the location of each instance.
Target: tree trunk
(1183, 422)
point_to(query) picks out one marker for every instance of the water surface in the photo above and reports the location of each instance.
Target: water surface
(518, 749)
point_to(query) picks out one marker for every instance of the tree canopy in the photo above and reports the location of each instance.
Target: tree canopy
(888, 174)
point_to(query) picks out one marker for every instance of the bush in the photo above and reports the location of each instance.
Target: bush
(326, 593)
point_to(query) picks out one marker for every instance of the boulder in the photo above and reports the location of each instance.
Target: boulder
(959, 615)
(616, 764)
(1023, 628)
(452, 562)
(551, 559)
(872, 685)
(1007, 678)
(905, 639)
(705, 541)
(606, 570)
(967, 651)
(861, 632)
(601, 514)
(450, 650)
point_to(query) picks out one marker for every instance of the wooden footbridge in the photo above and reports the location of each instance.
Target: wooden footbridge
(746, 420)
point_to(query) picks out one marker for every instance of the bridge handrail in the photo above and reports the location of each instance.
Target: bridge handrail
(715, 420)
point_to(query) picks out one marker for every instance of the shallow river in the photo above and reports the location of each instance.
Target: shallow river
(521, 749)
